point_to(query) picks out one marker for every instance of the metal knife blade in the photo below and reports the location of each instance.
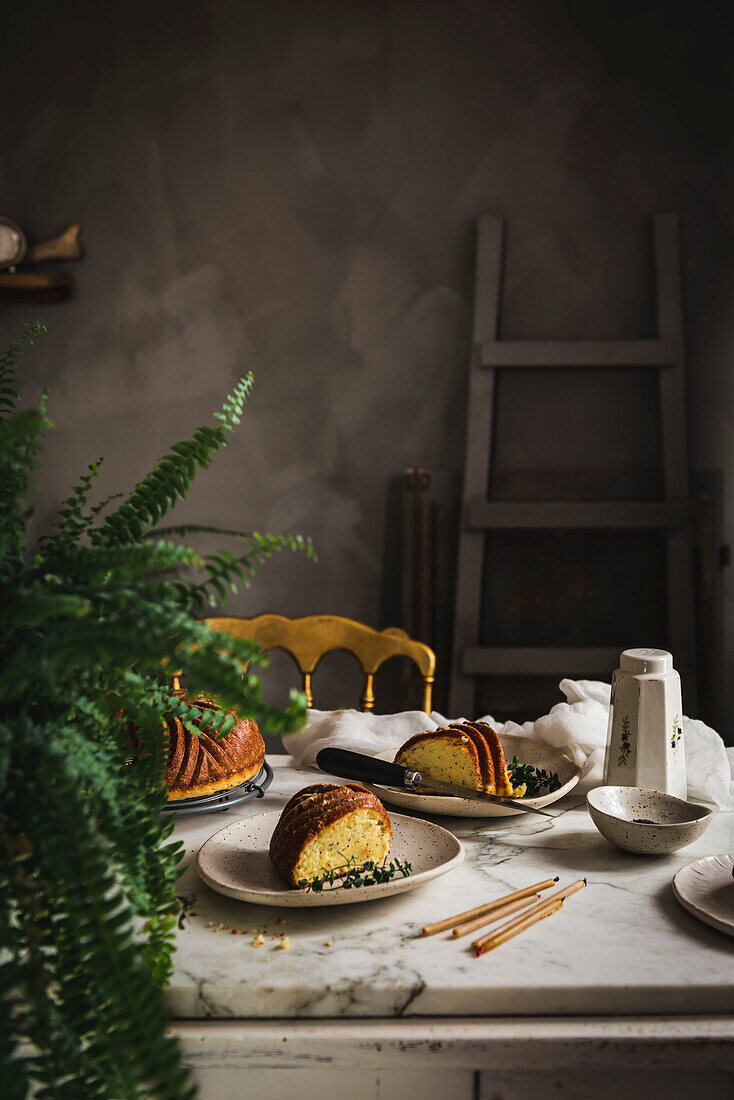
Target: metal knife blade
(427, 785)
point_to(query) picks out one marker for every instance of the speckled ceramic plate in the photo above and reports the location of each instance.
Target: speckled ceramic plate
(235, 862)
(528, 751)
(706, 889)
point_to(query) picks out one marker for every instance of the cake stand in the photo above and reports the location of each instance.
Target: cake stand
(223, 800)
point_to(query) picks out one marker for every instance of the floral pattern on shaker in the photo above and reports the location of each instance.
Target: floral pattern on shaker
(625, 747)
(677, 733)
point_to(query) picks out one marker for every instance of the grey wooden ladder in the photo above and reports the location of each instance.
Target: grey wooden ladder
(665, 353)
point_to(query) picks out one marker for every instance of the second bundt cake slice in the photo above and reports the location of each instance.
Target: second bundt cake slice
(327, 827)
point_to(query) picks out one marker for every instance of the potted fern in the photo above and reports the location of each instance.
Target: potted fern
(93, 621)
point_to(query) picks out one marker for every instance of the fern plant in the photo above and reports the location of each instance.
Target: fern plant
(93, 622)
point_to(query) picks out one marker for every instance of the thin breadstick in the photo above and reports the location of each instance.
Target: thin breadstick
(561, 895)
(514, 927)
(450, 922)
(566, 892)
(496, 914)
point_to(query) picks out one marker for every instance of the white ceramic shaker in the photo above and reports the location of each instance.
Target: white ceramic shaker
(644, 739)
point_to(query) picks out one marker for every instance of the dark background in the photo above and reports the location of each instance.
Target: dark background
(291, 187)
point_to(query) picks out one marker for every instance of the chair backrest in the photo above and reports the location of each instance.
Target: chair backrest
(309, 638)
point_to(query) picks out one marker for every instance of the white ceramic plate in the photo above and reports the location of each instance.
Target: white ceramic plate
(706, 889)
(528, 751)
(235, 862)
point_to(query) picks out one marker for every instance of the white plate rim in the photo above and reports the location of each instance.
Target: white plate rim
(446, 805)
(292, 898)
(725, 861)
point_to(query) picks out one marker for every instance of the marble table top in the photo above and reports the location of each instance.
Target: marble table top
(621, 946)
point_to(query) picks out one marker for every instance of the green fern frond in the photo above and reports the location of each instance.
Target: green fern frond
(92, 934)
(71, 521)
(25, 338)
(100, 506)
(117, 564)
(21, 434)
(92, 627)
(182, 529)
(29, 607)
(171, 479)
(225, 569)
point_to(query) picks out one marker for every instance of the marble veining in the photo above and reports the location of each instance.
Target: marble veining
(623, 945)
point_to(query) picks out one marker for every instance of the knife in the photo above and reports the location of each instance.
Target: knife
(369, 769)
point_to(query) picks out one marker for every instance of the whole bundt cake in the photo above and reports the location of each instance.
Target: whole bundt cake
(465, 753)
(199, 764)
(328, 826)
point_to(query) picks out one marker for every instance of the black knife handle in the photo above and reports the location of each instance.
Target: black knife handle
(365, 769)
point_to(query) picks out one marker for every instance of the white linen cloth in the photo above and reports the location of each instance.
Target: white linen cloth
(577, 727)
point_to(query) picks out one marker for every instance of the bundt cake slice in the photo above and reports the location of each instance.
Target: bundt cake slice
(199, 764)
(329, 826)
(449, 755)
(467, 754)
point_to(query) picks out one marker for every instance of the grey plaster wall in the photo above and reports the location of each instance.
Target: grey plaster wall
(289, 187)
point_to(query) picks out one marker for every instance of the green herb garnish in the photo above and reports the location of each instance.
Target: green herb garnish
(345, 877)
(535, 779)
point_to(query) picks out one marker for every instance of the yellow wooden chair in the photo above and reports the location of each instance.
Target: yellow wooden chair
(308, 639)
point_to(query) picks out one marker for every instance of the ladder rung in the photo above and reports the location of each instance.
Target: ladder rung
(579, 353)
(540, 661)
(624, 514)
(553, 660)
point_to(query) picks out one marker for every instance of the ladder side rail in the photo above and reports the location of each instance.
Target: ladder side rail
(480, 428)
(674, 427)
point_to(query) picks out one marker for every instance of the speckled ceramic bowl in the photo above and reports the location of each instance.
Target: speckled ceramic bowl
(647, 822)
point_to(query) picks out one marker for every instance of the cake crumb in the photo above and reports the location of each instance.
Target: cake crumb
(329, 943)
(258, 941)
(210, 923)
(284, 943)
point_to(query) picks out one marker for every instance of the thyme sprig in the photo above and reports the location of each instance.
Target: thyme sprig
(347, 877)
(535, 779)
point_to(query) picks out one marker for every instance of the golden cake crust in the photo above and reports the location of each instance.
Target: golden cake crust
(199, 765)
(309, 812)
(485, 757)
(502, 778)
